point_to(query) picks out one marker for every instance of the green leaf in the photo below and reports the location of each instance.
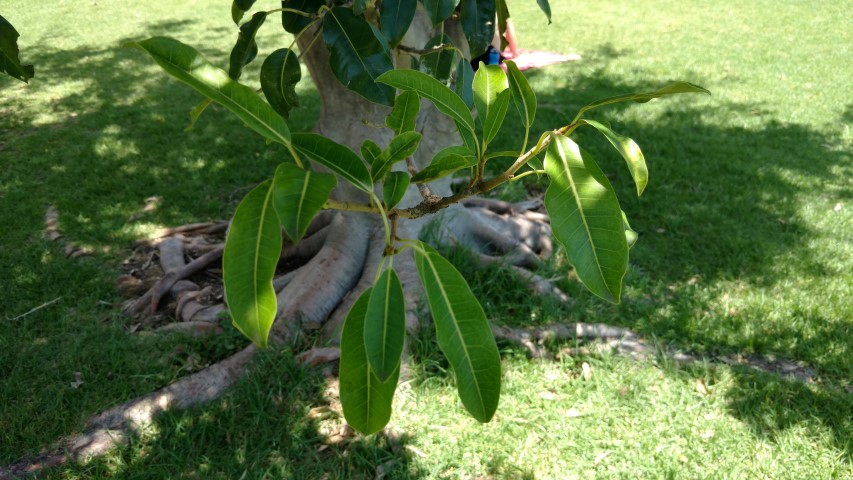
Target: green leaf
(489, 81)
(279, 75)
(240, 7)
(370, 151)
(293, 22)
(522, 94)
(365, 400)
(196, 112)
(464, 82)
(670, 89)
(439, 10)
(187, 65)
(405, 113)
(246, 49)
(395, 17)
(427, 87)
(358, 6)
(399, 148)
(445, 162)
(335, 157)
(629, 150)
(394, 188)
(298, 194)
(252, 250)
(586, 218)
(546, 9)
(439, 63)
(478, 23)
(356, 55)
(10, 62)
(503, 16)
(385, 325)
(463, 333)
(496, 116)
(502, 12)
(630, 234)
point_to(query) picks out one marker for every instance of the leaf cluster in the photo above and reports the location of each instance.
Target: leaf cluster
(586, 217)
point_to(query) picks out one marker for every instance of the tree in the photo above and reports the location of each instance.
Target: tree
(376, 203)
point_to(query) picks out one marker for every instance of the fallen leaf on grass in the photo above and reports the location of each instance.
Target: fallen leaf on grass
(572, 413)
(548, 396)
(702, 388)
(586, 371)
(78, 380)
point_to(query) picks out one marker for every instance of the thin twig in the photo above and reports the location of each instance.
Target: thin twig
(43, 305)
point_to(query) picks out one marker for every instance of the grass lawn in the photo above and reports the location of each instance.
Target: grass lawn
(745, 249)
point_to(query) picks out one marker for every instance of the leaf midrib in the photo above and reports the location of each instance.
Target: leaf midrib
(581, 210)
(230, 100)
(458, 333)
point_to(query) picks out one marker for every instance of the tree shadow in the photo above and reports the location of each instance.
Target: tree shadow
(113, 135)
(268, 426)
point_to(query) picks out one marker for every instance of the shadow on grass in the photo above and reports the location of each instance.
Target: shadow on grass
(264, 428)
(100, 130)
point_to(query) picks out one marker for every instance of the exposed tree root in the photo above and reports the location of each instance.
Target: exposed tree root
(152, 297)
(205, 228)
(115, 426)
(54, 234)
(626, 342)
(535, 283)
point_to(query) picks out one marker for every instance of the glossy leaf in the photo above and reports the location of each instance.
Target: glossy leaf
(280, 73)
(478, 23)
(439, 10)
(445, 162)
(405, 113)
(489, 81)
(427, 87)
(357, 57)
(385, 325)
(370, 151)
(394, 188)
(395, 17)
(239, 8)
(298, 194)
(187, 65)
(246, 49)
(439, 63)
(464, 82)
(293, 22)
(670, 89)
(252, 250)
(335, 157)
(586, 218)
(463, 333)
(629, 150)
(399, 148)
(496, 116)
(546, 9)
(365, 400)
(522, 94)
(10, 61)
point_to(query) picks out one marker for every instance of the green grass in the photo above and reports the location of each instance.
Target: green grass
(745, 248)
